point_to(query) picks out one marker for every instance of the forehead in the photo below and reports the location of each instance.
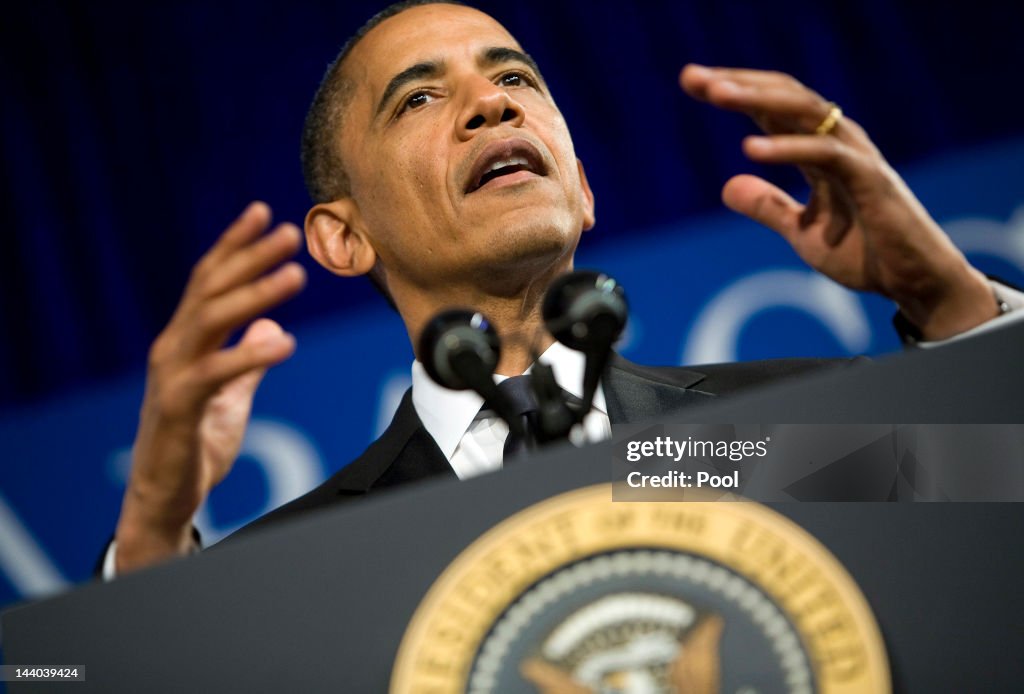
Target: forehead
(441, 33)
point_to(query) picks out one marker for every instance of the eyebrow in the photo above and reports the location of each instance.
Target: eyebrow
(490, 57)
(499, 55)
(413, 73)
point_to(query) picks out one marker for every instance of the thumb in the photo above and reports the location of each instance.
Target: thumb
(264, 332)
(763, 202)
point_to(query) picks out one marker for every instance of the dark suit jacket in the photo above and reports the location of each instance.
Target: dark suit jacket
(406, 453)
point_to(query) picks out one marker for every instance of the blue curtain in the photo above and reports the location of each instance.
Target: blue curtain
(133, 132)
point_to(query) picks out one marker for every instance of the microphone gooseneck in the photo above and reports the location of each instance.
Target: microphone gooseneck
(587, 311)
(460, 349)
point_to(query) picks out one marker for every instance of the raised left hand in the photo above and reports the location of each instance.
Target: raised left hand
(862, 226)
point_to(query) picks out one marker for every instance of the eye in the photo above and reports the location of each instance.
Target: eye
(516, 79)
(414, 101)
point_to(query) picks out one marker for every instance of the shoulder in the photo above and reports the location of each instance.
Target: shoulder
(405, 452)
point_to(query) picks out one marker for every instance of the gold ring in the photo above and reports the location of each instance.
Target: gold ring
(835, 114)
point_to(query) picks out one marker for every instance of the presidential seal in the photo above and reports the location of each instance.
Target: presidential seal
(578, 594)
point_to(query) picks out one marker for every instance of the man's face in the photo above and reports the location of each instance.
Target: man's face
(460, 163)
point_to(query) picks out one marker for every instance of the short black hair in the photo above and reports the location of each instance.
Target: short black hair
(322, 166)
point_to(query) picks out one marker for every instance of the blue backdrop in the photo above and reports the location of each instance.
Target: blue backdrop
(131, 134)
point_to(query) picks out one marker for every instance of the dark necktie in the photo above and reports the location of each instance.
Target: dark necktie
(518, 392)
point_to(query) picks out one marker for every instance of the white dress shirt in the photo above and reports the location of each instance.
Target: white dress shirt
(472, 440)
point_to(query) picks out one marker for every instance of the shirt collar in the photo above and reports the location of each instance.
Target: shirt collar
(447, 414)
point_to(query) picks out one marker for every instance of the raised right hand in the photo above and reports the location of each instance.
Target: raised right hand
(198, 392)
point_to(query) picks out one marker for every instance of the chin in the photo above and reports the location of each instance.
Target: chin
(523, 256)
(540, 237)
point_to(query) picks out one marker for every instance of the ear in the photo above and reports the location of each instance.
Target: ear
(336, 238)
(589, 218)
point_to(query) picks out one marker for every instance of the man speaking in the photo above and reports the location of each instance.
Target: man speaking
(440, 165)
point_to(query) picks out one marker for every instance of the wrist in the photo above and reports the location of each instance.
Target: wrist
(139, 546)
(961, 304)
(149, 532)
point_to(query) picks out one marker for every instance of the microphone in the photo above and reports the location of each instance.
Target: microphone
(460, 350)
(555, 418)
(587, 311)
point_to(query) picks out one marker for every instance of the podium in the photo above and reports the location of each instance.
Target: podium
(323, 602)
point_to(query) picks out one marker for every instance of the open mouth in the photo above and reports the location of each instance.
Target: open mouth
(505, 158)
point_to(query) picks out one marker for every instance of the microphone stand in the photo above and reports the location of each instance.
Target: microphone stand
(555, 418)
(460, 349)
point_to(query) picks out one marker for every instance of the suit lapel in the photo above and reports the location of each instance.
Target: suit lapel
(635, 393)
(405, 452)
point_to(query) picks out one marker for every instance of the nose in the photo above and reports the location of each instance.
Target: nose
(487, 105)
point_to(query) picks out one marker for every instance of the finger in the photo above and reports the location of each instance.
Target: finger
(804, 108)
(770, 98)
(217, 318)
(247, 360)
(251, 223)
(244, 386)
(782, 109)
(248, 262)
(826, 152)
(261, 330)
(696, 79)
(763, 202)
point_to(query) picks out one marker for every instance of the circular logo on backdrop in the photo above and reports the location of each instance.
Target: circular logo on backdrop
(578, 594)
